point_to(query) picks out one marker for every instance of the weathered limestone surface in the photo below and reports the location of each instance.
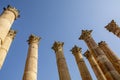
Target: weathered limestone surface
(30, 72)
(110, 55)
(5, 46)
(104, 63)
(114, 28)
(61, 62)
(6, 20)
(98, 72)
(85, 74)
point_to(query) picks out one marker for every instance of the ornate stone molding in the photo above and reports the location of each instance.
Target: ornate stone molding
(102, 43)
(33, 39)
(12, 33)
(85, 34)
(14, 10)
(75, 50)
(112, 26)
(57, 46)
(87, 54)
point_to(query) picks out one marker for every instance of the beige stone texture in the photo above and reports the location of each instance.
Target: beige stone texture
(0, 42)
(5, 46)
(30, 72)
(85, 74)
(6, 20)
(61, 62)
(110, 55)
(104, 63)
(98, 72)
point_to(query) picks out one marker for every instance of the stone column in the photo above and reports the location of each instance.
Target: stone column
(6, 20)
(104, 63)
(98, 72)
(85, 74)
(6, 45)
(61, 62)
(30, 72)
(110, 55)
(114, 28)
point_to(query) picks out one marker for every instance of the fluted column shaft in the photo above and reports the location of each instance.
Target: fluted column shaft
(111, 55)
(30, 72)
(6, 20)
(5, 46)
(104, 63)
(61, 62)
(85, 74)
(98, 72)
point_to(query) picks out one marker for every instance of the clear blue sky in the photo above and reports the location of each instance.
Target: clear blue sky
(57, 20)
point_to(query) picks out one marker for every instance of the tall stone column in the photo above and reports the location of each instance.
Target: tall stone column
(61, 62)
(105, 65)
(98, 72)
(110, 55)
(85, 74)
(6, 45)
(114, 28)
(6, 20)
(30, 72)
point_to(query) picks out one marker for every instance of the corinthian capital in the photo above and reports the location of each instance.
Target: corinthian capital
(102, 43)
(11, 34)
(14, 10)
(76, 50)
(57, 46)
(85, 34)
(112, 26)
(33, 39)
(87, 54)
